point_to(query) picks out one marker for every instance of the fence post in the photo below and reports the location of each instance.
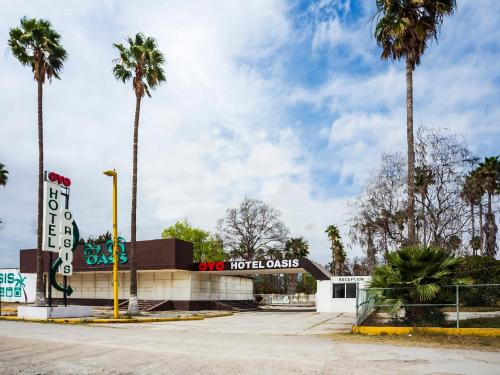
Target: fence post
(457, 302)
(357, 303)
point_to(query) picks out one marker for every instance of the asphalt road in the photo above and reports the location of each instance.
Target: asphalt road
(245, 343)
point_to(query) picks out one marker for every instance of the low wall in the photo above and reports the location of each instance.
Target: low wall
(160, 285)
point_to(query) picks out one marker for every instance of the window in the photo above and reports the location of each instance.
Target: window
(344, 290)
(338, 290)
(350, 290)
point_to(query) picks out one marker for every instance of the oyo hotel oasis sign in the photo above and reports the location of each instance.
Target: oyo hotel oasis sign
(249, 265)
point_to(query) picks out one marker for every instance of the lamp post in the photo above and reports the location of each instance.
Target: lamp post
(115, 242)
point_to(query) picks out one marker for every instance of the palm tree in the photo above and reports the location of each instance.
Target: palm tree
(414, 275)
(295, 248)
(403, 31)
(4, 175)
(472, 193)
(36, 44)
(488, 174)
(338, 252)
(363, 233)
(142, 62)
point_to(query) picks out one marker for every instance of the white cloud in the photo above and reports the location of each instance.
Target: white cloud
(217, 131)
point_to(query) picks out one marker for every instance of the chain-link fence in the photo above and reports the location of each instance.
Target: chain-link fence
(460, 306)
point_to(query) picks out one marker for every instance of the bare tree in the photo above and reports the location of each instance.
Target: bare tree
(252, 231)
(380, 222)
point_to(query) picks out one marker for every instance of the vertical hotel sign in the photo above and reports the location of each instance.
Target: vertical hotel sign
(58, 221)
(51, 216)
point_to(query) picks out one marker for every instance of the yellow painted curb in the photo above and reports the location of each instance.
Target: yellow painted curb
(434, 330)
(8, 309)
(110, 320)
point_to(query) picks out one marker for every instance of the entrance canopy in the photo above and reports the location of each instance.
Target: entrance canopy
(269, 266)
(172, 254)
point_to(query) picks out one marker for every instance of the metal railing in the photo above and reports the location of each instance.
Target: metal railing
(459, 306)
(288, 299)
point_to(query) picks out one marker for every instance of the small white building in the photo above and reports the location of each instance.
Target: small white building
(339, 293)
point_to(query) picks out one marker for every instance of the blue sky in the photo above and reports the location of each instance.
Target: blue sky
(283, 101)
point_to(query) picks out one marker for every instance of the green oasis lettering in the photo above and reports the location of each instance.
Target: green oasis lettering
(7, 278)
(91, 260)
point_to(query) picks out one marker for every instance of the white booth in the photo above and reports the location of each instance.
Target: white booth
(339, 293)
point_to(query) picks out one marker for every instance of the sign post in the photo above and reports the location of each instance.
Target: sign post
(115, 241)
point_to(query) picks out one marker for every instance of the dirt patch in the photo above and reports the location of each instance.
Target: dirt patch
(483, 343)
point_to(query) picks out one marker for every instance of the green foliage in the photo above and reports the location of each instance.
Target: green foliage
(206, 246)
(338, 253)
(488, 174)
(37, 44)
(142, 62)
(306, 284)
(417, 275)
(99, 240)
(296, 247)
(482, 270)
(405, 27)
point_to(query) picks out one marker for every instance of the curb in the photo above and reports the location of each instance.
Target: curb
(8, 309)
(113, 321)
(366, 330)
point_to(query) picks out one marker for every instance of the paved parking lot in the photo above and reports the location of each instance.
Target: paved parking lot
(245, 343)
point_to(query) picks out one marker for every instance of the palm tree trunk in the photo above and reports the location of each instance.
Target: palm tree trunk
(472, 226)
(40, 290)
(490, 230)
(370, 250)
(481, 225)
(411, 153)
(424, 242)
(133, 303)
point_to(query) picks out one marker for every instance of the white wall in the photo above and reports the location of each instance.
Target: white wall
(212, 287)
(17, 287)
(161, 285)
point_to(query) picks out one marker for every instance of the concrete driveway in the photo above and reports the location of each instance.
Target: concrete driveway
(284, 323)
(245, 343)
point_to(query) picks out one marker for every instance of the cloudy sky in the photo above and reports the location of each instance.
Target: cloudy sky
(282, 101)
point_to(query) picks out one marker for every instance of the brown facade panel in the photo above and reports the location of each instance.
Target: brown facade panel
(151, 255)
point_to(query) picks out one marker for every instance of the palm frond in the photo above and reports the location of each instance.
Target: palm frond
(141, 61)
(37, 44)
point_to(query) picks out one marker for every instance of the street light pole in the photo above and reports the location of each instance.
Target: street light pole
(115, 242)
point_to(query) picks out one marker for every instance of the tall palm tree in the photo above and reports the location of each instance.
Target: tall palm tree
(403, 30)
(142, 62)
(489, 176)
(472, 192)
(37, 45)
(4, 175)
(338, 252)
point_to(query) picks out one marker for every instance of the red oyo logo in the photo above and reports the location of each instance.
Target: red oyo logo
(61, 180)
(211, 266)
